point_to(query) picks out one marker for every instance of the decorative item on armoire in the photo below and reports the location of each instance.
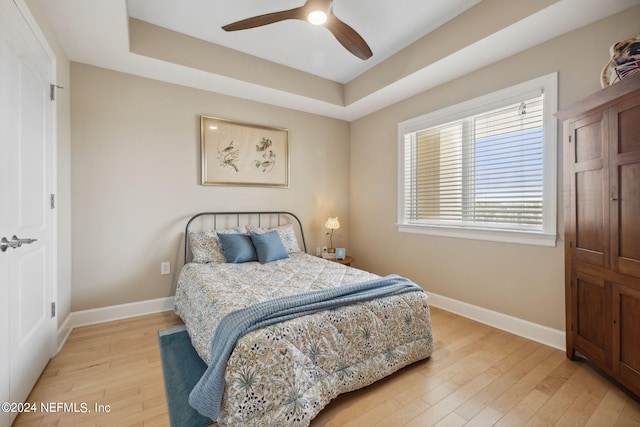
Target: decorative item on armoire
(625, 60)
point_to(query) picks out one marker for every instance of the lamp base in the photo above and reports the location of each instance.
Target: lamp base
(331, 250)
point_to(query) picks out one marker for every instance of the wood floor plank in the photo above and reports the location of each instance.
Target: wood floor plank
(583, 407)
(451, 420)
(487, 417)
(609, 408)
(403, 416)
(551, 411)
(528, 382)
(524, 409)
(477, 376)
(441, 409)
(508, 371)
(630, 416)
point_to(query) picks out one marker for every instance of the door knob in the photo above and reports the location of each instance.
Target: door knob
(15, 242)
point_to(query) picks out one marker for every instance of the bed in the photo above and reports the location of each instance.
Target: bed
(288, 363)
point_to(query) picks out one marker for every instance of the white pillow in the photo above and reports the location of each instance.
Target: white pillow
(206, 247)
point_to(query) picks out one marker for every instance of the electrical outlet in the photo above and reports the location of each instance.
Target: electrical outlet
(165, 267)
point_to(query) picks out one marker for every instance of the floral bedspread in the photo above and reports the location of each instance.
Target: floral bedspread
(284, 374)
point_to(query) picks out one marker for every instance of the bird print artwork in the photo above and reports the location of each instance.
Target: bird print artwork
(228, 157)
(268, 160)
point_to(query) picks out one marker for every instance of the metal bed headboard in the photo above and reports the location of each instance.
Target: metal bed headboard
(271, 214)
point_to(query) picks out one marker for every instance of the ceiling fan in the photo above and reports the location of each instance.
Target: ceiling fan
(317, 12)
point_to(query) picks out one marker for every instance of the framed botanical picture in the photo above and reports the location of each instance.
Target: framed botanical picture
(236, 153)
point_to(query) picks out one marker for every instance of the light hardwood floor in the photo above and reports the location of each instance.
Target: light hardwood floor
(477, 376)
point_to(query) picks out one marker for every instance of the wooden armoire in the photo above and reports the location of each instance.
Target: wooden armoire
(601, 146)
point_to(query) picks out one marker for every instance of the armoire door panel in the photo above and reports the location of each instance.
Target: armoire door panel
(589, 213)
(588, 138)
(630, 331)
(629, 127)
(590, 232)
(629, 220)
(591, 324)
(625, 187)
(626, 312)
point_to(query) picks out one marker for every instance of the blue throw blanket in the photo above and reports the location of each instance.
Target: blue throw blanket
(206, 396)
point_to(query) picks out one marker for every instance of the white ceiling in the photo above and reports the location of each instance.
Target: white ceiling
(96, 32)
(387, 27)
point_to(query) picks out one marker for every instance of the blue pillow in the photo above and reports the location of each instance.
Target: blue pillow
(237, 248)
(268, 246)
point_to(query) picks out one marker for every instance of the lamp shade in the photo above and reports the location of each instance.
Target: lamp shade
(332, 223)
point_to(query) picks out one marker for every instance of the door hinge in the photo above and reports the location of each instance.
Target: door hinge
(53, 309)
(52, 201)
(52, 93)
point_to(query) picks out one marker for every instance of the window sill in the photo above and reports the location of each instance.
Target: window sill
(493, 235)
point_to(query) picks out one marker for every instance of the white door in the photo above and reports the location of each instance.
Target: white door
(26, 156)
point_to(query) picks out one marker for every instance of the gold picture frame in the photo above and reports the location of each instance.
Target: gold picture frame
(243, 154)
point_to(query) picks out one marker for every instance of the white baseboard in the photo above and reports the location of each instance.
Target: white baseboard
(107, 314)
(533, 331)
(63, 332)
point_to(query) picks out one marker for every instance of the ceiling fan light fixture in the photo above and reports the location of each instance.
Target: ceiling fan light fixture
(316, 12)
(317, 17)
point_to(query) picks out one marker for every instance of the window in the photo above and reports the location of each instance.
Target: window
(483, 169)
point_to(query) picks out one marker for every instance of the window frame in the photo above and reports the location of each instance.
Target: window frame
(547, 84)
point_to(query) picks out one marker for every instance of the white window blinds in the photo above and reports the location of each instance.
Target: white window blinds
(484, 170)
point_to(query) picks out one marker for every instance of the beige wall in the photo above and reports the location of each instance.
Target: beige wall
(522, 281)
(136, 173)
(135, 182)
(63, 165)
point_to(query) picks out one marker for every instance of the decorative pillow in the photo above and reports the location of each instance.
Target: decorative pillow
(237, 248)
(287, 235)
(268, 246)
(205, 245)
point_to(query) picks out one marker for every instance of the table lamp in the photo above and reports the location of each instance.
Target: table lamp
(332, 224)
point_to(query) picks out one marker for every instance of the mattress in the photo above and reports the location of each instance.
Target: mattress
(285, 373)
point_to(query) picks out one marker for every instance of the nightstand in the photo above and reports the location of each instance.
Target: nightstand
(346, 261)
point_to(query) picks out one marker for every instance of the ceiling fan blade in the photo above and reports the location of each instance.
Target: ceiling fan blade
(348, 37)
(269, 18)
